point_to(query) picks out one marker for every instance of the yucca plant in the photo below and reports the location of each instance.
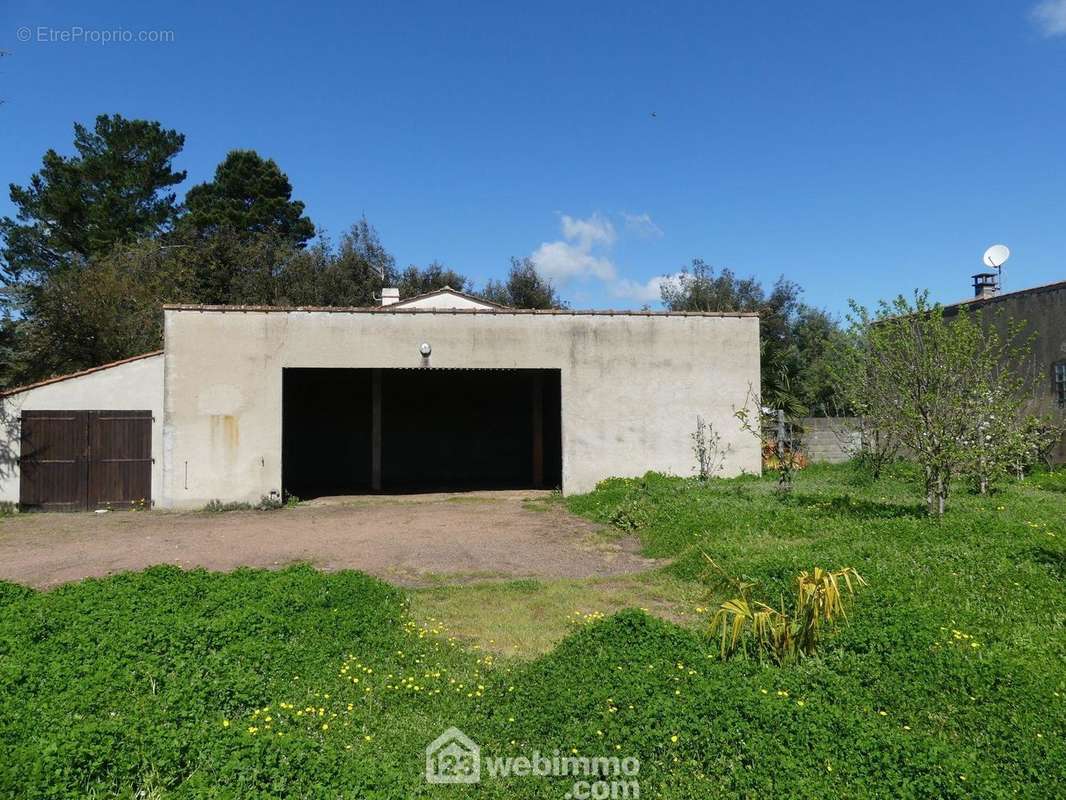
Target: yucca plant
(783, 634)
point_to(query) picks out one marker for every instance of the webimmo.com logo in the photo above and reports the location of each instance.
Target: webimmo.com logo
(453, 758)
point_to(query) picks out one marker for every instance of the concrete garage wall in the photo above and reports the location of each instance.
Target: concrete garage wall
(632, 384)
(133, 385)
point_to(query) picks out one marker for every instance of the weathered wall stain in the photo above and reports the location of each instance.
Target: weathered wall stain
(225, 433)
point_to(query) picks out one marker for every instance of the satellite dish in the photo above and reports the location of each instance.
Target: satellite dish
(996, 256)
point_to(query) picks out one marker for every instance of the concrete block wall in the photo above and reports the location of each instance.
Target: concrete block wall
(829, 441)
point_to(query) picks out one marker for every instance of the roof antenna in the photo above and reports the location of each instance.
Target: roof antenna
(996, 256)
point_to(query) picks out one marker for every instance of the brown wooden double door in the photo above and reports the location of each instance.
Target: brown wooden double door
(78, 460)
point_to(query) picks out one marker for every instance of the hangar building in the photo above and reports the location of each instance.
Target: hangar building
(439, 392)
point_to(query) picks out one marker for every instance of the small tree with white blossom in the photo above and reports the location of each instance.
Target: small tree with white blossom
(949, 389)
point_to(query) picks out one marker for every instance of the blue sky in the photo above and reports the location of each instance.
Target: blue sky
(860, 149)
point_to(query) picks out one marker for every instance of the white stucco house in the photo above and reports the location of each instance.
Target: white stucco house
(442, 391)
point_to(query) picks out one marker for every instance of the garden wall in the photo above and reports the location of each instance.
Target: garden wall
(829, 440)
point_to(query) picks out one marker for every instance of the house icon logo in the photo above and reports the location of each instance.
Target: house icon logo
(453, 758)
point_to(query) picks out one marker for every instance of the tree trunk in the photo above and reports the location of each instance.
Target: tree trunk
(935, 493)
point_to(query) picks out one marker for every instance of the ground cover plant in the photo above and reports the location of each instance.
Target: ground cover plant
(948, 679)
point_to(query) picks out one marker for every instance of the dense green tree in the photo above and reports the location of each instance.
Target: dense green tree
(98, 246)
(234, 267)
(700, 288)
(243, 268)
(113, 190)
(9, 351)
(812, 335)
(358, 270)
(525, 287)
(414, 281)
(109, 308)
(249, 195)
(794, 337)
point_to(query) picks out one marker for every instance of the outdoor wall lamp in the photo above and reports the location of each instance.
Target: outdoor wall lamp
(425, 349)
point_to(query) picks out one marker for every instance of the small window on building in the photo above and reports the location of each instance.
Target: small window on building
(1060, 383)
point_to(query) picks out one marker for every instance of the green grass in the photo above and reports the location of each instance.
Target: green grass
(121, 687)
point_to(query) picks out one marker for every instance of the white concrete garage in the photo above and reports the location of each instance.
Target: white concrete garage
(439, 392)
(71, 475)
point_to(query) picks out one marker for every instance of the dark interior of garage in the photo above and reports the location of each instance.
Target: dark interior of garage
(355, 431)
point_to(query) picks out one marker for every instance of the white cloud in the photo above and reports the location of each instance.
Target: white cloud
(650, 291)
(584, 253)
(572, 257)
(642, 225)
(647, 292)
(1050, 16)
(563, 261)
(586, 233)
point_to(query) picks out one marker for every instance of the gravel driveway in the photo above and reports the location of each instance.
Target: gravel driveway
(412, 540)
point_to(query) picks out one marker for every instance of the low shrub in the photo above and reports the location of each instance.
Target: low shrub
(632, 514)
(268, 502)
(786, 633)
(218, 507)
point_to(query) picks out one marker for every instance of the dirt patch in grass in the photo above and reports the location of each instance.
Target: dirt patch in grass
(412, 541)
(525, 618)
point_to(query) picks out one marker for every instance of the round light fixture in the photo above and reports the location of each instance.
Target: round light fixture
(425, 349)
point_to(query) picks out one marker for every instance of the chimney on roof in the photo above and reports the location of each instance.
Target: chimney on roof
(985, 285)
(390, 296)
